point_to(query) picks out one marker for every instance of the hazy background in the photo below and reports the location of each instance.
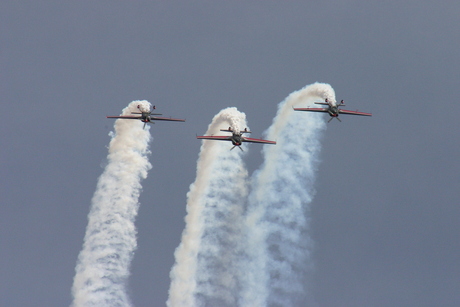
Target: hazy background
(385, 219)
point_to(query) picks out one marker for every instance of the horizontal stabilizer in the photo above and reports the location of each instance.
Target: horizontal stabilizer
(231, 130)
(146, 113)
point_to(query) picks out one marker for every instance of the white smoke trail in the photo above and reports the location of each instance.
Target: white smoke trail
(279, 245)
(103, 264)
(205, 270)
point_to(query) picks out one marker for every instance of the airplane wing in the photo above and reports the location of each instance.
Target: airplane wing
(166, 119)
(312, 109)
(251, 140)
(354, 113)
(125, 117)
(216, 138)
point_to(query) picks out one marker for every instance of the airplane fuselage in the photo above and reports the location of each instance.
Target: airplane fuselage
(333, 111)
(145, 117)
(237, 140)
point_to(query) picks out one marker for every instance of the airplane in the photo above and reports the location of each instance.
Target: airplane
(333, 110)
(236, 138)
(146, 117)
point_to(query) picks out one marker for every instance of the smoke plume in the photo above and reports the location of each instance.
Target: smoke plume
(103, 264)
(278, 243)
(205, 272)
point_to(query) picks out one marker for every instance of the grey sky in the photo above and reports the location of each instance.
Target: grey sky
(385, 216)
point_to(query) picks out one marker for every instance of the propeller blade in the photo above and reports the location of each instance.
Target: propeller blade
(237, 146)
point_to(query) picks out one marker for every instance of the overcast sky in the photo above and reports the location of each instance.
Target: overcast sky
(385, 218)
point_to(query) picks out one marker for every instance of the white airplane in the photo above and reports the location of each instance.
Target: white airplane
(333, 110)
(146, 117)
(236, 138)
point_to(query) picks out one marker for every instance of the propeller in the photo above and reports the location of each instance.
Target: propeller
(237, 146)
(333, 118)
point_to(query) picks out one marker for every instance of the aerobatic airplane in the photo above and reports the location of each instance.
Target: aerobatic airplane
(236, 138)
(333, 110)
(146, 117)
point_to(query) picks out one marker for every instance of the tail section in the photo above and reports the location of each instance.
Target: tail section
(233, 131)
(327, 103)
